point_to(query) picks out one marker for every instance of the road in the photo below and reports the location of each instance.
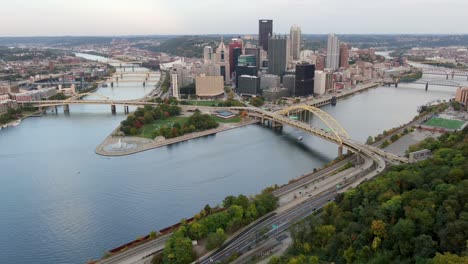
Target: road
(135, 254)
(290, 213)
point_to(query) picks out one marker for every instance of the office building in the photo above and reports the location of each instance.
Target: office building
(333, 52)
(222, 60)
(249, 85)
(247, 60)
(462, 95)
(305, 74)
(268, 81)
(245, 70)
(209, 86)
(320, 82)
(255, 52)
(273, 94)
(296, 38)
(278, 54)
(175, 83)
(265, 30)
(344, 55)
(289, 82)
(207, 54)
(235, 50)
(329, 82)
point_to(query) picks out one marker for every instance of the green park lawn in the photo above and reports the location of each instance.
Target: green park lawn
(147, 130)
(205, 103)
(444, 123)
(235, 119)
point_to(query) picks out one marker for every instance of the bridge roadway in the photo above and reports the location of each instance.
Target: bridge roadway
(336, 136)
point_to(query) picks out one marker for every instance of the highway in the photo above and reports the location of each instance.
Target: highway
(299, 208)
(135, 254)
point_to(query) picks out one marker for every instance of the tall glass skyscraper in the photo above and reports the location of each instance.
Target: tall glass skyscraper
(265, 30)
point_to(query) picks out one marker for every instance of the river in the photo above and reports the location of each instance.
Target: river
(62, 203)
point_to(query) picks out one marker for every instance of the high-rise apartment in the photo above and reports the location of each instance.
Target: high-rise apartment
(296, 38)
(333, 52)
(265, 30)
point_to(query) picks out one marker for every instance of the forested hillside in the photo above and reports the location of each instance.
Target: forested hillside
(415, 213)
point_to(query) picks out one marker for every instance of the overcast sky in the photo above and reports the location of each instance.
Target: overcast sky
(143, 17)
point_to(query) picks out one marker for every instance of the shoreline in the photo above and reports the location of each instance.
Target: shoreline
(144, 144)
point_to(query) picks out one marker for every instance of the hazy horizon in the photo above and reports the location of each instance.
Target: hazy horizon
(29, 18)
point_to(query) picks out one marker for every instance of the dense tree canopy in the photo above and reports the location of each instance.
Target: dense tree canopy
(414, 213)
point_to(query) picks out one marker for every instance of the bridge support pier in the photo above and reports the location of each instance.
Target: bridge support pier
(447, 77)
(126, 111)
(427, 86)
(340, 151)
(66, 109)
(56, 109)
(113, 109)
(396, 84)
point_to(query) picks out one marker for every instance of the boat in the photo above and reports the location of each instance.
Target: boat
(16, 123)
(300, 138)
(78, 172)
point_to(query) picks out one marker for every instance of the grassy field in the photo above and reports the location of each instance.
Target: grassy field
(205, 103)
(147, 130)
(235, 119)
(444, 123)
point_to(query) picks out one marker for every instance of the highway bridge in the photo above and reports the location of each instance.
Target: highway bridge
(337, 133)
(445, 72)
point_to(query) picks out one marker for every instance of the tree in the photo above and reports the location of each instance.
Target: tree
(449, 258)
(197, 231)
(369, 140)
(424, 246)
(215, 240)
(379, 229)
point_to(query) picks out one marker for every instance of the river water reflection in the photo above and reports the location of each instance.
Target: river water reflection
(62, 203)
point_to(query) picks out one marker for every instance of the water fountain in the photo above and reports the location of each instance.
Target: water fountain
(120, 146)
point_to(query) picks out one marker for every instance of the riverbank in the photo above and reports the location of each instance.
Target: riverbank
(123, 146)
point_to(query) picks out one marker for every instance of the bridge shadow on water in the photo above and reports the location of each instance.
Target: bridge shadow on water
(291, 137)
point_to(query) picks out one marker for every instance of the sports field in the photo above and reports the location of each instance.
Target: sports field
(444, 123)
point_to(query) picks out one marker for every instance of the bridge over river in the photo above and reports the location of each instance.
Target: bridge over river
(337, 133)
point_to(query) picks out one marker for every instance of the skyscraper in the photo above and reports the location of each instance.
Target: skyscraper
(295, 36)
(344, 55)
(222, 59)
(235, 50)
(333, 52)
(278, 54)
(305, 74)
(207, 54)
(265, 30)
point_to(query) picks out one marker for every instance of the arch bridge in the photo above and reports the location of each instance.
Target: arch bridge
(336, 135)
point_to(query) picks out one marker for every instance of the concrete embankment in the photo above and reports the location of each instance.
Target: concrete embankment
(143, 144)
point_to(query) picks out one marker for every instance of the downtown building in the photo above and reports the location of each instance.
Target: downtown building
(249, 85)
(222, 61)
(344, 55)
(305, 74)
(333, 52)
(296, 39)
(265, 30)
(235, 50)
(278, 55)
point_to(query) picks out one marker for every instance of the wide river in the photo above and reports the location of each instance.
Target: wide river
(62, 203)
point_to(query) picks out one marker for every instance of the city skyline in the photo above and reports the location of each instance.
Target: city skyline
(145, 17)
